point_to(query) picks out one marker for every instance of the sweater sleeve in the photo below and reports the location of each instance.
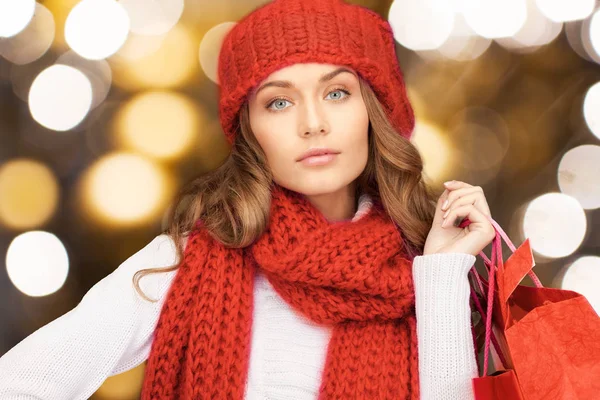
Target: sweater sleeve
(447, 361)
(108, 332)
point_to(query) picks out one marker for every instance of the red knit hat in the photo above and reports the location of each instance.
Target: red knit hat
(286, 32)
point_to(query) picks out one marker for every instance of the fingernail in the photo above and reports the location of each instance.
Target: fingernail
(446, 214)
(448, 183)
(445, 205)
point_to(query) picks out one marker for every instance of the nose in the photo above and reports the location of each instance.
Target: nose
(314, 120)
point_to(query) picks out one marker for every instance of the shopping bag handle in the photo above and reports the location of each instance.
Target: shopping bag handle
(511, 246)
(517, 273)
(492, 336)
(519, 264)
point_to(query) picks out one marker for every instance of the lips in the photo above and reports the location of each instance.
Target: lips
(317, 152)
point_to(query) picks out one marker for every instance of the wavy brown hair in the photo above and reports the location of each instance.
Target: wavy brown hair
(233, 201)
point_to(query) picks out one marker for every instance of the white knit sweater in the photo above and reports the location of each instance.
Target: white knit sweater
(111, 330)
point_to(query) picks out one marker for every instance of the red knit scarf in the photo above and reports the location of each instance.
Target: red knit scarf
(349, 274)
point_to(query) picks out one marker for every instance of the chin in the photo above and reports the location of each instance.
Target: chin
(317, 183)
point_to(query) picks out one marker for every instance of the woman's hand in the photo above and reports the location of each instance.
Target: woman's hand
(459, 201)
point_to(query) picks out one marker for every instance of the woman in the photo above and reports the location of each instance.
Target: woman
(314, 263)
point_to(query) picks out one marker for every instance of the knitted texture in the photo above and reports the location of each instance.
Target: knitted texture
(352, 275)
(285, 32)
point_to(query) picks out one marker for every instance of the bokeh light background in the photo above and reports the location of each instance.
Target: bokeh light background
(108, 107)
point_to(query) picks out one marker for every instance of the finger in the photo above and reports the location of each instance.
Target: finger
(478, 220)
(456, 185)
(478, 223)
(455, 215)
(455, 194)
(477, 199)
(438, 209)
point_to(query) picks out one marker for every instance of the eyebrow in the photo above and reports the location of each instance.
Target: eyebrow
(287, 84)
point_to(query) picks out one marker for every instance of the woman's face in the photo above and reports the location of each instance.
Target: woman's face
(305, 106)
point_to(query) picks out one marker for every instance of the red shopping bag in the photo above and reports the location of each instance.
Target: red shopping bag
(548, 340)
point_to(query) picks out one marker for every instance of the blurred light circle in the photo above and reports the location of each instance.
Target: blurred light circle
(124, 188)
(96, 29)
(591, 107)
(578, 36)
(579, 175)
(29, 194)
(573, 32)
(60, 97)
(37, 263)
(155, 17)
(594, 31)
(464, 48)
(434, 146)
(421, 25)
(494, 19)
(463, 44)
(137, 47)
(537, 31)
(555, 223)
(15, 15)
(22, 76)
(591, 52)
(566, 10)
(60, 9)
(32, 42)
(583, 277)
(97, 71)
(210, 46)
(173, 64)
(159, 124)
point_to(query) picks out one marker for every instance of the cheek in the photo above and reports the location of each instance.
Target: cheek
(354, 125)
(276, 142)
(265, 130)
(275, 135)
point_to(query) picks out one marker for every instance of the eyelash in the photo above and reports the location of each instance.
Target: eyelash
(340, 89)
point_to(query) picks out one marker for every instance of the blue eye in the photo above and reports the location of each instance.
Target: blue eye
(280, 101)
(276, 101)
(340, 91)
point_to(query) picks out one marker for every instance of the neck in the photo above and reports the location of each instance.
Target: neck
(340, 205)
